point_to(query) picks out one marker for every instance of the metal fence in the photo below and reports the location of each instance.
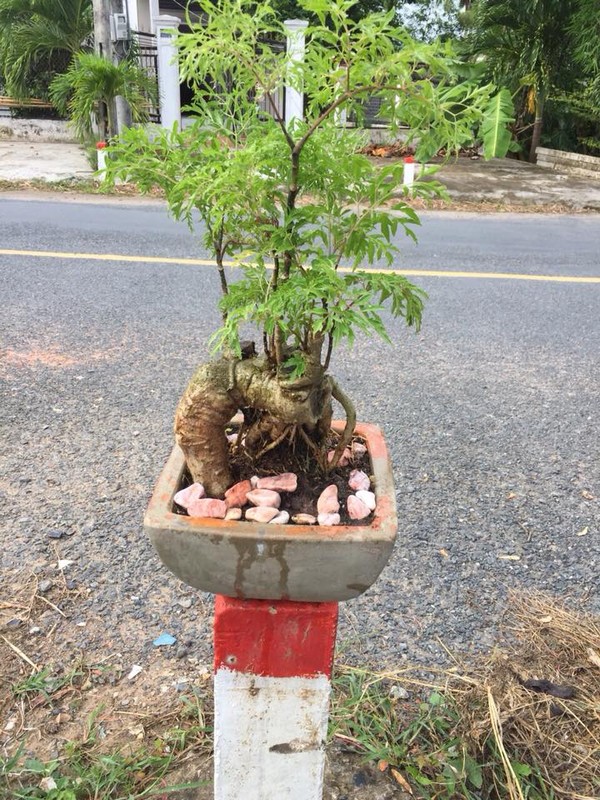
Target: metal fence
(145, 49)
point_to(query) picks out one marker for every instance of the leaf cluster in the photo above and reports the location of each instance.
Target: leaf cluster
(40, 36)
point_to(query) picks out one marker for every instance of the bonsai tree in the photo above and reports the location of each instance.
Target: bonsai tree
(299, 210)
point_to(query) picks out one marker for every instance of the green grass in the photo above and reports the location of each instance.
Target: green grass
(420, 742)
(45, 683)
(423, 742)
(85, 772)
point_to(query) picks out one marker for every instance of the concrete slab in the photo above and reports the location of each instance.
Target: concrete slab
(46, 161)
(511, 181)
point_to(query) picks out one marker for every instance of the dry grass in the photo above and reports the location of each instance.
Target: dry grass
(495, 726)
(488, 725)
(560, 649)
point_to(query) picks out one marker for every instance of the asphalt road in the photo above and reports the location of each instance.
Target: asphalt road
(491, 413)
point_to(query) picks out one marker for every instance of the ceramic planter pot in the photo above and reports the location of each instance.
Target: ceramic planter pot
(271, 561)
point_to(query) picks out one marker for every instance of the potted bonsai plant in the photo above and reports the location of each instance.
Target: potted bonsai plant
(300, 212)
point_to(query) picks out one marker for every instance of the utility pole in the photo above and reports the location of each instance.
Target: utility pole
(102, 42)
(104, 47)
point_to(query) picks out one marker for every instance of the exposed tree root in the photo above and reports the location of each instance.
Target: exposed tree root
(350, 412)
(274, 407)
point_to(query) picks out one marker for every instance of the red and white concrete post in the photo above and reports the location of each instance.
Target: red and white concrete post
(273, 662)
(409, 172)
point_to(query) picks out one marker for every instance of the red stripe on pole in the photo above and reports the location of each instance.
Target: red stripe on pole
(275, 638)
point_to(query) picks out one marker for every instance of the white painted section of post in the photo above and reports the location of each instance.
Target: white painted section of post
(154, 15)
(408, 177)
(101, 156)
(168, 71)
(295, 46)
(269, 736)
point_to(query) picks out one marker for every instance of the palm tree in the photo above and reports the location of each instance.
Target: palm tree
(527, 46)
(40, 36)
(91, 84)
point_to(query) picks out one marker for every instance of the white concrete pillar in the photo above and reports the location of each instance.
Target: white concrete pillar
(273, 662)
(295, 46)
(131, 7)
(154, 15)
(168, 71)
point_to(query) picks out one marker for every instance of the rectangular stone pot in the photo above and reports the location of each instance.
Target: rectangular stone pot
(270, 561)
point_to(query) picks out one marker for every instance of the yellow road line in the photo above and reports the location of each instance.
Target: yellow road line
(203, 262)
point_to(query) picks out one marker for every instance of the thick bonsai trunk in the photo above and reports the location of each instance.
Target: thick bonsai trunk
(271, 405)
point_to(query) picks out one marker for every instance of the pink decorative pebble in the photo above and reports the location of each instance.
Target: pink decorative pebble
(286, 482)
(282, 518)
(232, 438)
(328, 519)
(261, 514)
(208, 507)
(328, 500)
(189, 494)
(356, 508)
(304, 519)
(254, 481)
(264, 497)
(368, 498)
(344, 458)
(358, 449)
(359, 481)
(233, 513)
(235, 497)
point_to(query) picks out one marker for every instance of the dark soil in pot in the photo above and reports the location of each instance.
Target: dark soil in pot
(311, 479)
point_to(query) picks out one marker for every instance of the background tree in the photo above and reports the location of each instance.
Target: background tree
(293, 9)
(92, 83)
(527, 45)
(38, 39)
(575, 114)
(430, 19)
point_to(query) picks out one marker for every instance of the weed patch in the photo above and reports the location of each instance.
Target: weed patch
(524, 724)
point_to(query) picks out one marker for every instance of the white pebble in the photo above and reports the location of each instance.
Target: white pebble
(329, 519)
(368, 498)
(282, 518)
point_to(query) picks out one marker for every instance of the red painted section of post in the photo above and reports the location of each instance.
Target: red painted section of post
(279, 639)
